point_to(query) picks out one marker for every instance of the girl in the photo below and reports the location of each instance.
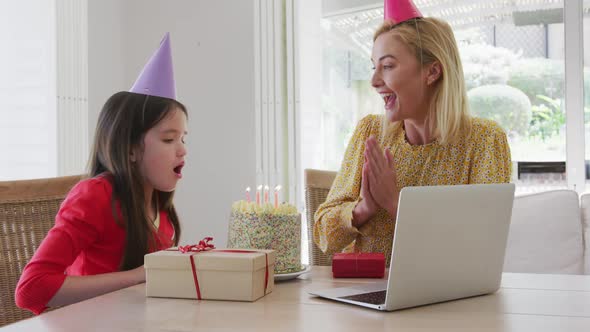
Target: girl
(108, 222)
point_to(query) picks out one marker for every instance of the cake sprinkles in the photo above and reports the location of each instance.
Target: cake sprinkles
(268, 226)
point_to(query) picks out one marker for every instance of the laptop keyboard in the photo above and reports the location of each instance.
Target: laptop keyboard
(372, 298)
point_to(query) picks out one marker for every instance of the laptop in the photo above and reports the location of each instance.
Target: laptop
(449, 243)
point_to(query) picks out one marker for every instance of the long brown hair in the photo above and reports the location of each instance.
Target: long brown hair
(122, 124)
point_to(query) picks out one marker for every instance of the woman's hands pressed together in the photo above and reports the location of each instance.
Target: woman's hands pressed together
(378, 184)
(380, 173)
(367, 207)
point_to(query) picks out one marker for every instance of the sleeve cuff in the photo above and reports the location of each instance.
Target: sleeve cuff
(346, 217)
(36, 300)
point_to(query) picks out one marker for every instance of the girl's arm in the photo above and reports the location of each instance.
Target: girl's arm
(80, 224)
(75, 289)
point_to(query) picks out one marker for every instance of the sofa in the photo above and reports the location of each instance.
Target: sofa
(549, 233)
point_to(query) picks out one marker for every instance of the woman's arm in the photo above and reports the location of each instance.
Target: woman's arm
(334, 228)
(362, 213)
(492, 162)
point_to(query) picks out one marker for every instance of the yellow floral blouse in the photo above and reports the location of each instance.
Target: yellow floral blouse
(484, 157)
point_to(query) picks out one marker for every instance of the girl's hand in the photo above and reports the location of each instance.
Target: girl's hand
(381, 175)
(137, 275)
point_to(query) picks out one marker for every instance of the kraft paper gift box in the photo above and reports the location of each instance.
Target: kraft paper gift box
(358, 265)
(220, 275)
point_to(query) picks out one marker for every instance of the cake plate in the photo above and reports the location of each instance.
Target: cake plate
(292, 275)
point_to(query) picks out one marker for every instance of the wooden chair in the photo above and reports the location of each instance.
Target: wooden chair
(317, 186)
(27, 212)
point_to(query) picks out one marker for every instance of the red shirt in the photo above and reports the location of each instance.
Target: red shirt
(85, 240)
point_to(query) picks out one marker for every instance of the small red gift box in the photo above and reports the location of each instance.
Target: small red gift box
(358, 265)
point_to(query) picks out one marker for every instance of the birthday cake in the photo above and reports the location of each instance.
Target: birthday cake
(268, 226)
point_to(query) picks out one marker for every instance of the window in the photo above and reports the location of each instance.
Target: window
(586, 49)
(513, 61)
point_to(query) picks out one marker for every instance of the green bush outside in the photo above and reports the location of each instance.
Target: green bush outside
(506, 105)
(538, 76)
(541, 80)
(547, 120)
(486, 65)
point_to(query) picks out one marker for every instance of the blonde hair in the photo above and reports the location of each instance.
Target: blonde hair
(432, 39)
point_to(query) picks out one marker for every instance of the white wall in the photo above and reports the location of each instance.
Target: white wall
(310, 74)
(309, 17)
(212, 47)
(105, 56)
(28, 141)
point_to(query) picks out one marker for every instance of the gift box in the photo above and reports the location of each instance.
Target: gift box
(358, 265)
(231, 274)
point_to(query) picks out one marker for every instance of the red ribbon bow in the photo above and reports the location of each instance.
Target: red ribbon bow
(204, 245)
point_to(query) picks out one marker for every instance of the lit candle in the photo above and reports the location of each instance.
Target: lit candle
(258, 194)
(277, 188)
(248, 194)
(266, 194)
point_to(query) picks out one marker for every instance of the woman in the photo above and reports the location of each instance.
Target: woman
(425, 137)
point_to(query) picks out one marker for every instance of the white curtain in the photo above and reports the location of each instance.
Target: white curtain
(276, 101)
(72, 85)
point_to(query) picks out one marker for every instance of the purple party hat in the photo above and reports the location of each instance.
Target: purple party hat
(157, 77)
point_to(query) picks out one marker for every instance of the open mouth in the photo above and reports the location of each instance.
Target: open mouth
(389, 99)
(178, 169)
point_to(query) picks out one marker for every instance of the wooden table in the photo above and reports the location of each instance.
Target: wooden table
(526, 302)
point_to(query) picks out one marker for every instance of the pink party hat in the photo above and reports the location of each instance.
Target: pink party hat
(400, 11)
(157, 77)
